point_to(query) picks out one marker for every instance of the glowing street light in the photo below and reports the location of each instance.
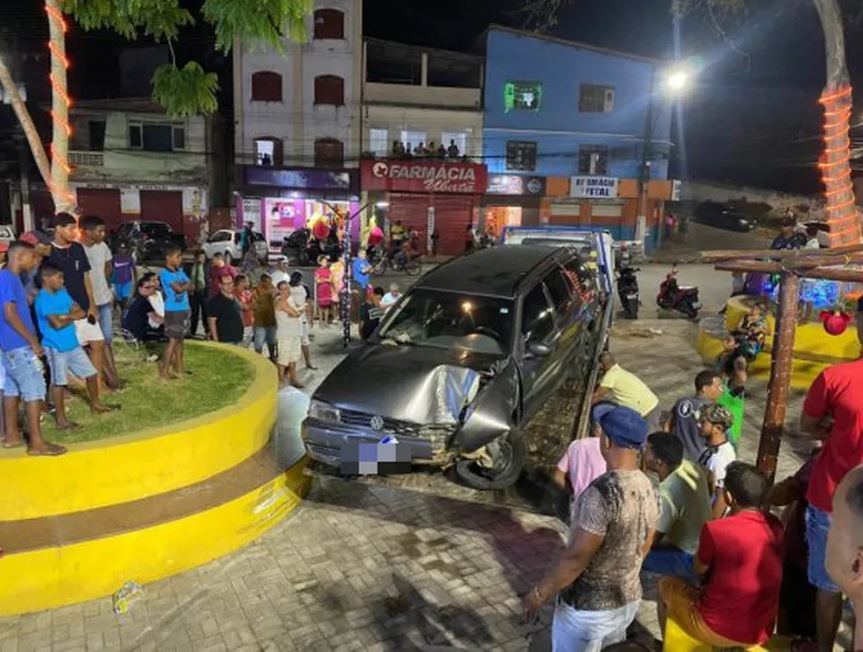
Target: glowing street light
(678, 80)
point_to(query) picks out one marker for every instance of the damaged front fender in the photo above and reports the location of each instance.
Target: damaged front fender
(492, 413)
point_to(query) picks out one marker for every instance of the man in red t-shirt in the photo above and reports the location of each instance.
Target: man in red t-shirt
(218, 269)
(832, 412)
(742, 558)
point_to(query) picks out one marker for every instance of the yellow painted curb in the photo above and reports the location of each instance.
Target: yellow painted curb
(58, 576)
(145, 463)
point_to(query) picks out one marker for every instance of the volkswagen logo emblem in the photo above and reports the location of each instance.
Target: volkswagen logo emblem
(377, 423)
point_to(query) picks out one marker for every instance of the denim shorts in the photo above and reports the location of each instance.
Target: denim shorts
(123, 291)
(817, 526)
(669, 561)
(63, 363)
(265, 335)
(24, 375)
(106, 321)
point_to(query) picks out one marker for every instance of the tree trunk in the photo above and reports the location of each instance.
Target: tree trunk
(26, 121)
(836, 99)
(64, 198)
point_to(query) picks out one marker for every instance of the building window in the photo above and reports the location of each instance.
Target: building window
(594, 98)
(330, 89)
(268, 151)
(96, 135)
(522, 95)
(179, 138)
(457, 138)
(593, 159)
(157, 137)
(329, 153)
(329, 23)
(379, 142)
(413, 139)
(266, 86)
(521, 155)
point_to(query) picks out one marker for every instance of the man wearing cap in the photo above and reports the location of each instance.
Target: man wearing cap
(626, 389)
(715, 421)
(596, 577)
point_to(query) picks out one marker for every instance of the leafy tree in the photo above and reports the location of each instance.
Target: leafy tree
(182, 91)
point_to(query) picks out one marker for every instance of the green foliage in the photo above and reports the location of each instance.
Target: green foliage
(268, 21)
(190, 90)
(185, 91)
(159, 19)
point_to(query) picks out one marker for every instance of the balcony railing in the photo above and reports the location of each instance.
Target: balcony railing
(89, 159)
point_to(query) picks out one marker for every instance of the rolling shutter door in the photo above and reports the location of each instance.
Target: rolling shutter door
(452, 215)
(103, 202)
(413, 211)
(163, 206)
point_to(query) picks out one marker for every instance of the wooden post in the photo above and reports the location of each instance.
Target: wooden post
(780, 374)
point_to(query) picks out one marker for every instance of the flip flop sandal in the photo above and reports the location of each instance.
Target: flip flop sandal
(8, 446)
(53, 450)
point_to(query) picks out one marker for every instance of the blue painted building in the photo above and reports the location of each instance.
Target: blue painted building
(575, 118)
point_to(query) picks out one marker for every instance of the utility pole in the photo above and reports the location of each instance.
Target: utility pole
(646, 158)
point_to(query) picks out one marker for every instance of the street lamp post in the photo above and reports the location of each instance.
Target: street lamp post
(676, 82)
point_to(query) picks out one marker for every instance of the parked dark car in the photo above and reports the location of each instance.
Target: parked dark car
(722, 216)
(148, 240)
(461, 364)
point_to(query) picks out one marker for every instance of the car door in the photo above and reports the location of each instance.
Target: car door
(537, 326)
(216, 242)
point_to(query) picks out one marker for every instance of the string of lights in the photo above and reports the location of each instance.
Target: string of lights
(835, 167)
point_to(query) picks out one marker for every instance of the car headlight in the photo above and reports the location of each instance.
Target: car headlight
(324, 412)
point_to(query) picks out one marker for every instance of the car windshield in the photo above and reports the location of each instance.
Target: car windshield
(449, 320)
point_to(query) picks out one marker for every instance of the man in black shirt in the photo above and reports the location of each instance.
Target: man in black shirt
(70, 258)
(224, 314)
(789, 238)
(371, 313)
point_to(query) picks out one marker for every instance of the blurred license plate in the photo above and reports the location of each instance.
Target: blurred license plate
(375, 458)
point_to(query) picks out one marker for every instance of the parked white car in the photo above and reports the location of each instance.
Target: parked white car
(227, 243)
(7, 234)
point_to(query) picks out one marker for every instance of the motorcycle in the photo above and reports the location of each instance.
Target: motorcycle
(676, 297)
(627, 291)
(382, 264)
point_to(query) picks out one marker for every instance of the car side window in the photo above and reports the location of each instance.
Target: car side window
(537, 316)
(559, 290)
(219, 236)
(579, 277)
(237, 237)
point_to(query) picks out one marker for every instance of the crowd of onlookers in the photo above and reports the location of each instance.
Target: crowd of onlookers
(65, 296)
(737, 560)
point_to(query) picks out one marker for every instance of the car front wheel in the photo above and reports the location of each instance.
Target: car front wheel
(229, 259)
(508, 454)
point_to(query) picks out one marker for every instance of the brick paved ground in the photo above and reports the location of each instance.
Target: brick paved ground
(369, 567)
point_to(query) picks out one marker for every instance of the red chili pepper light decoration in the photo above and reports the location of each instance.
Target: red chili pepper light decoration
(835, 321)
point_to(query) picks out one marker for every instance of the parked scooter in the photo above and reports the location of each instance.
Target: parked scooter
(676, 297)
(627, 291)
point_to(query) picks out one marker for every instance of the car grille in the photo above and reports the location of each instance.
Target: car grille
(438, 434)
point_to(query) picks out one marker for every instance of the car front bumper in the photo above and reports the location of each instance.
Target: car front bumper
(328, 443)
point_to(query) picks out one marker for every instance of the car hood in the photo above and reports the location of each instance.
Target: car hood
(409, 383)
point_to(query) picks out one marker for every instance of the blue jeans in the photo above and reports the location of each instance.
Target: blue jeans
(573, 630)
(64, 362)
(670, 561)
(106, 321)
(265, 335)
(24, 376)
(817, 526)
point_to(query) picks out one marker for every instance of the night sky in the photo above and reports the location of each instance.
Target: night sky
(751, 117)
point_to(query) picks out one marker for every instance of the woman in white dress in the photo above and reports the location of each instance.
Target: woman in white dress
(288, 337)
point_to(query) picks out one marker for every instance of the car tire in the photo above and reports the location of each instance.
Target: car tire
(476, 477)
(229, 259)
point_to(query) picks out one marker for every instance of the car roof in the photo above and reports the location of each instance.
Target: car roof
(496, 271)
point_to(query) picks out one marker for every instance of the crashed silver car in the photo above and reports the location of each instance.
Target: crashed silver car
(460, 365)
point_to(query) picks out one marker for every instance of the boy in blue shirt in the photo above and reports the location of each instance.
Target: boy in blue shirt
(21, 351)
(175, 285)
(56, 314)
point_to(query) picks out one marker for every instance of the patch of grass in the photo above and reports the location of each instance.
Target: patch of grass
(217, 379)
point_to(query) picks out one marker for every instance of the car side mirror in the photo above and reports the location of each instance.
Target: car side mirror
(538, 349)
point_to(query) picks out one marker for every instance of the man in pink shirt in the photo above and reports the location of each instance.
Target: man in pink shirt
(582, 462)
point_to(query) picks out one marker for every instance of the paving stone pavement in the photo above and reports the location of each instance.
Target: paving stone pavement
(367, 567)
